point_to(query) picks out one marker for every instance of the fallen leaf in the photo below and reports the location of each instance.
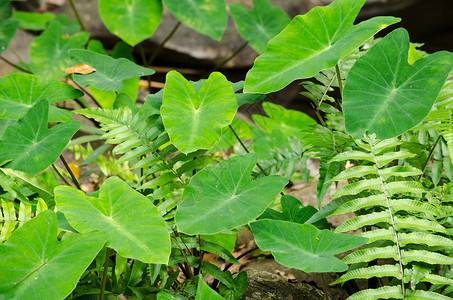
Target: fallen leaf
(80, 69)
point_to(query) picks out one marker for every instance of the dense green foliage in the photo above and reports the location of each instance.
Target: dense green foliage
(174, 176)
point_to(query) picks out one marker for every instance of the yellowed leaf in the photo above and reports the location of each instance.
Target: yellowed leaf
(80, 69)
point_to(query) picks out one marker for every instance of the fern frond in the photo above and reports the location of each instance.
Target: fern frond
(396, 187)
(360, 203)
(353, 155)
(417, 223)
(370, 272)
(355, 173)
(8, 219)
(385, 292)
(365, 220)
(378, 235)
(385, 158)
(437, 279)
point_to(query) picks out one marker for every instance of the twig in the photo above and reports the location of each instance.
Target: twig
(226, 60)
(76, 13)
(162, 44)
(326, 295)
(14, 65)
(104, 274)
(74, 179)
(145, 64)
(431, 152)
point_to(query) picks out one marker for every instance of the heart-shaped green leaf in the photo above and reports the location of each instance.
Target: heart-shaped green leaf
(30, 145)
(387, 96)
(260, 24)
(223, 197)
(110, 73)
(21, 91)
(8, 28)
(132, 20)
(34, 265)
(303, 246)
(49, 52)
(208, 17)
(194, 119)
(311, 43)
(132, 223)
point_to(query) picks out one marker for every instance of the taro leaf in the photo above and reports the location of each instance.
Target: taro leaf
(132, 20)
(21, 91)
(194, 120)
(49, 52)
(284, 120)
(34, 265)
(208, 17)
(32, 21)
(303, 246)
(8, 28)
(294, 211)
(30, 145)
(311, 43)
(223, 197)
(110, 73)
(245, 98)
(259, 25)
(387, 96)
(130, 220)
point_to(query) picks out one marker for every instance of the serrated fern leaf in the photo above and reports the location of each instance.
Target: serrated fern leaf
(369, 254)
(426, 257)
(353, 155)
(369, 272)
(359, 186)
(8, 219)
(424, 238)
(425, 295)
(385, 292)
(419, 224)
(365, 220)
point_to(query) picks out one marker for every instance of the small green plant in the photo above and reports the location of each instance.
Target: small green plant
(182, 174)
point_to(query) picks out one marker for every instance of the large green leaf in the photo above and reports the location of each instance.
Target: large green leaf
(110, 73)
(132, 223)
(30, 145)
(208, 17)
(132, 20)
(20, 91)
(8, 28)
(49, 52)
(6, 10)
(289, 121)
(387, 96)
(311, 43)
(34, 265)
(260, 24)
(303, 246)
(194, 119)
(223, 197)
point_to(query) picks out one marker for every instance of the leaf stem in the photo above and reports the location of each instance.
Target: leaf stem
(59, 175)
(226, 60)
(431, 152)
(76, 13)
(14, 65)
(340, 83)
(104, 273)
(87, 93)
(145, 64)
(324, 286)
(74, 179)
(162, 44)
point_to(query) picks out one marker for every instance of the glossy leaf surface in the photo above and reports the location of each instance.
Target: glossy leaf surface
(260, 24)
(49, 52)
(208, 17)
(303, 246)
(21, 91)
(132, 20)
(311, 43)
(34, 265)
(194, 119)
(131, 221)
(223, 197)
(32, 21)
(387, 96)
(30, 145)
(110, 73)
